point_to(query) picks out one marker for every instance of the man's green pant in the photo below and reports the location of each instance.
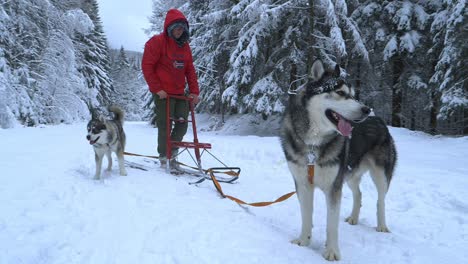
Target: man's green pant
(178, 109)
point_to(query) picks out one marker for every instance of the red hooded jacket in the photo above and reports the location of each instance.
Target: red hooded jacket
(165, 65)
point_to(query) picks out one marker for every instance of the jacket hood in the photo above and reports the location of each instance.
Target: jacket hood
(172, 16)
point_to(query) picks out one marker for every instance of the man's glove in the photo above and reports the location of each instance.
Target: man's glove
(195, 98)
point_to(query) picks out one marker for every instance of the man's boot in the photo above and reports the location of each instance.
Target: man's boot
(173, 163)
(163, 161)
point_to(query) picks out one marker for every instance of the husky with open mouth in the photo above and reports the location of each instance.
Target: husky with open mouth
(107, 136)
(325, 125)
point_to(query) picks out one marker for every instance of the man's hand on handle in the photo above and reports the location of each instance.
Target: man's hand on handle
(195, 98)
(162, 94)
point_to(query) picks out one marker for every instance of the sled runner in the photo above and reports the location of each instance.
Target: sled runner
(231, 175)
(135, 165)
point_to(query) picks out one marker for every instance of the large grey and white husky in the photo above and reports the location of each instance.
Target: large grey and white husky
(107, 136)
(324, 124)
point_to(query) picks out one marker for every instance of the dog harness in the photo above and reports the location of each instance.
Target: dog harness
(326, 86)
(319, 87)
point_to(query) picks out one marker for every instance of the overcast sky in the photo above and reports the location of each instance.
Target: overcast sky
(124, 21)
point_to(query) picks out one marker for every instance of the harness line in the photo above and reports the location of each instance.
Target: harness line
(310, 176)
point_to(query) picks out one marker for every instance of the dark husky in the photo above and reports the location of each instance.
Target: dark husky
(324, 124)
(107, 136)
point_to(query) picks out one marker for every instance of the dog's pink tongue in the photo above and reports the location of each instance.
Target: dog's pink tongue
(344, 127)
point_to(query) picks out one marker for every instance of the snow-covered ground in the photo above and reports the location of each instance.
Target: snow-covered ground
(52, 211)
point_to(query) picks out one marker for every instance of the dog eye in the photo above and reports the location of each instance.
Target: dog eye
(341, 93)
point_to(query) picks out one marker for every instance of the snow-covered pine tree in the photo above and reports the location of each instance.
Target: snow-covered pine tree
(383, 45)
(122, 62)
(396, 34)
(271, 45)
(405, 53)
(406, 40)
(22, 42)
(211, 44)
(450, 86)
(7, 118)
(42, 84)
(156, 20)
(129, 86)
(266, 54)
(94, 57)
(62, 92)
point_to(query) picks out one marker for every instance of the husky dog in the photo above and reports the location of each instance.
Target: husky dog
(107, 136)
(325, 125)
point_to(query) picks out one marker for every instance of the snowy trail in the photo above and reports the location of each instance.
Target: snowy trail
(53, 212)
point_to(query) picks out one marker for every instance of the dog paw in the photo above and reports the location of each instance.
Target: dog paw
(383, 229)
(123, 173)
(332, 254)
(301, 242)
(352, 220)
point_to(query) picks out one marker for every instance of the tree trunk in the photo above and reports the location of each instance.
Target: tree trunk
(396, 91)
(293, 77)
(358, 81)
(434, 111)
(310, 51)
(221, 91)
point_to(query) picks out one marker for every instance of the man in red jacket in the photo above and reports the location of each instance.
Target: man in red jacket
(167, 66)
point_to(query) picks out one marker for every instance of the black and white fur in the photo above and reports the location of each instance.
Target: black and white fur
(107, 136)
(317, 123)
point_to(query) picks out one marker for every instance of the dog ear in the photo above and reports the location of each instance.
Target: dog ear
(337, 70)
(317, 70)
(94, 113)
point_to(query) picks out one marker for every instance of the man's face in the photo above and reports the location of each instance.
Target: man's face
(177, 32)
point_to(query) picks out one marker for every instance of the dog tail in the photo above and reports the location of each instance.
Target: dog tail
(390, 163)
(118, 113)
